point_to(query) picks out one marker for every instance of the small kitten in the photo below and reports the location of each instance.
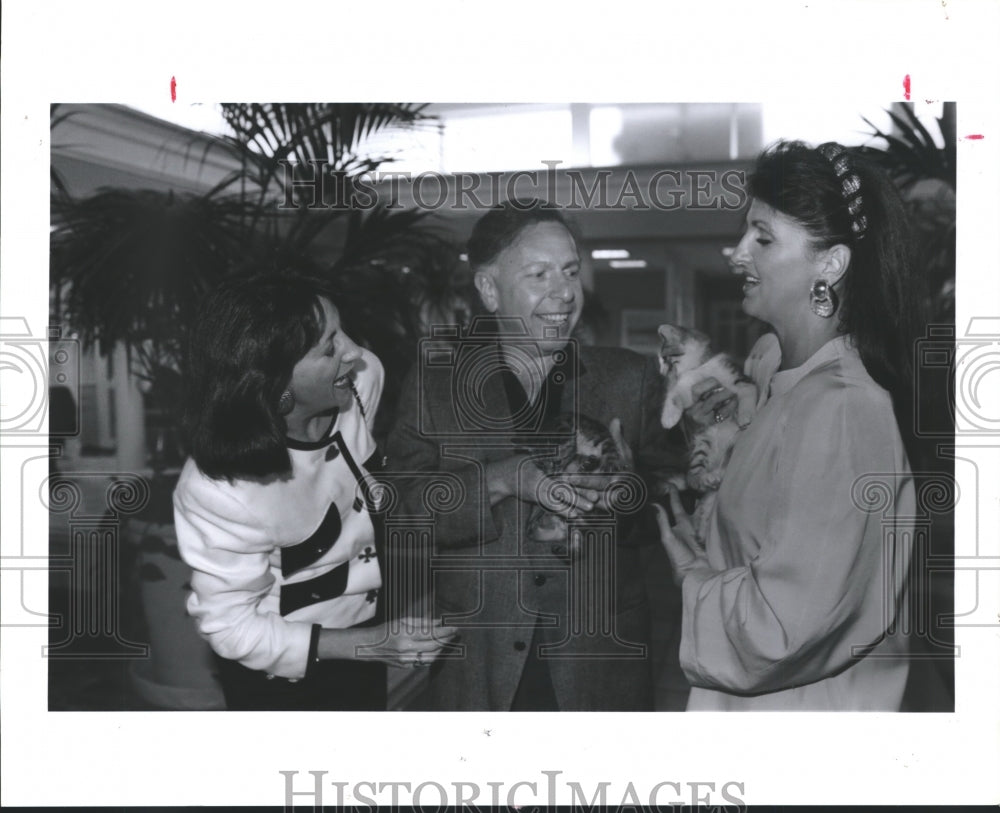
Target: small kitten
(587, 449)
(686, 359)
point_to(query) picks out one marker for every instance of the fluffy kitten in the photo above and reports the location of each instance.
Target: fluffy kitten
(588, 448)
(686, 359)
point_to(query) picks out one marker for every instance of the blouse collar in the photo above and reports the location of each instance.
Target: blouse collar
(783, 380)
(313, 445)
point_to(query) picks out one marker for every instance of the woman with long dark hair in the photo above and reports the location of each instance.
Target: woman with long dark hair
(793, 600)
(275, 509)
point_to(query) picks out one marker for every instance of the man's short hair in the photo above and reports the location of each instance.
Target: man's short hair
(500, 227)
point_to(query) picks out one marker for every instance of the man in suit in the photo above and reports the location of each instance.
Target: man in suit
(554, 625)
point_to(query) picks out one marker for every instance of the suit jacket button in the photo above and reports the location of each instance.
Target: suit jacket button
(520, 646)
(540, 579)
(559, 550)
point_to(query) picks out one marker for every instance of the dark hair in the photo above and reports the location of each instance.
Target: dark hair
(249, 335)
(879, 302)
(500, 227)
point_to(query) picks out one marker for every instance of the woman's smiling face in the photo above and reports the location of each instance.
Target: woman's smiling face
(321, 380)
(779, 265)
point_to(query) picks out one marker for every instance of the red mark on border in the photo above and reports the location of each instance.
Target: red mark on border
(975, 137)
(906, 87)
(173, 88)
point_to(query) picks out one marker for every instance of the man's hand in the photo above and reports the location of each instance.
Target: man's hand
(519, 477)
(598, 488)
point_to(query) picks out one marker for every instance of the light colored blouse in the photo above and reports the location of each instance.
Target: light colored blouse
(808, 546)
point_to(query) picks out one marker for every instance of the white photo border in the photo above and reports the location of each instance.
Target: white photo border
(526, 51)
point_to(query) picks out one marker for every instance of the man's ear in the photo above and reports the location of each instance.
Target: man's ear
(487, 288)
(834, 262)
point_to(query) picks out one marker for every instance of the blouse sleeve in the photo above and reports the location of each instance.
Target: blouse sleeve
(814, 596)
(229, 554)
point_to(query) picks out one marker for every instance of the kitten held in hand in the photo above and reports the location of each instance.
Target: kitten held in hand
(686, 359)
(589, 448)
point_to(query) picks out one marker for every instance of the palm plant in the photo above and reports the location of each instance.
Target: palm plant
(912, 154)
(925, 174)
(396, 278)
(269, 135)
(131, 267)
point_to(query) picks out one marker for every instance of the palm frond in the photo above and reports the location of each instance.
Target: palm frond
(913, 158)
(134, 265)
(401, 273)
(911, 154)
(331, 134)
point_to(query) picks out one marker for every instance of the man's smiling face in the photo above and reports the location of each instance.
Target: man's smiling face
(537, 279)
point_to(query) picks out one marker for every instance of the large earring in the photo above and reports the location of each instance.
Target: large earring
(822, 299)
(286, 403)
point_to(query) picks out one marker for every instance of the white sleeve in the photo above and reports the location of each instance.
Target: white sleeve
(229, 552)
(816, 593)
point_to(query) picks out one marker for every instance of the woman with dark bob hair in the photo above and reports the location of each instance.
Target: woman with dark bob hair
(274, 510)
(792, 602)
